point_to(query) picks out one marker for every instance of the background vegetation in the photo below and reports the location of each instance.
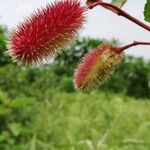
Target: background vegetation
(39, 109)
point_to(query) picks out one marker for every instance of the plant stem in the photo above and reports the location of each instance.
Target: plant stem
(119, 12)
(135, 43)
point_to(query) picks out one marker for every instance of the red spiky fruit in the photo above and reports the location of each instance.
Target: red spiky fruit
(96, 67)
(46, 32)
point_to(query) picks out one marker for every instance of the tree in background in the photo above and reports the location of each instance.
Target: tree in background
(132, 77)
(4, 58)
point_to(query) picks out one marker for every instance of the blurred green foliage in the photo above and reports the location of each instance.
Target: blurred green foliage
(39, 109)
(4, 58)
(80, 121)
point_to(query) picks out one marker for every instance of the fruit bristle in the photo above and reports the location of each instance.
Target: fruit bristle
(46, 32)
(96, 67)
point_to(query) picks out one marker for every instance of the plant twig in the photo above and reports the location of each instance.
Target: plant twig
(133, 141)
(135, 43)
(119, 12)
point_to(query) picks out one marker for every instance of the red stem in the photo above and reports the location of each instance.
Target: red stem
(135, 43)
(118, 11)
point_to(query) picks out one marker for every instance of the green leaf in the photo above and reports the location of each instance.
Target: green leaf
(4, 111)
(15, 128)
(33, 143)
(118, 3)
(20, 103)
(147, 11)
(2, 138)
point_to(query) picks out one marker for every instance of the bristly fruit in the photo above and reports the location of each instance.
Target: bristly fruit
(46, 32)
(96, 67)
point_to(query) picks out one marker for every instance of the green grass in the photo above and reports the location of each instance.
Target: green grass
(94, 121)
(75, 121)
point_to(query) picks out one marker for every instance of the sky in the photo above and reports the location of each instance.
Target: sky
(101, 23)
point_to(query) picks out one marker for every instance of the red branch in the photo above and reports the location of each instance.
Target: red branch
(135, 43)
(119, 12)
